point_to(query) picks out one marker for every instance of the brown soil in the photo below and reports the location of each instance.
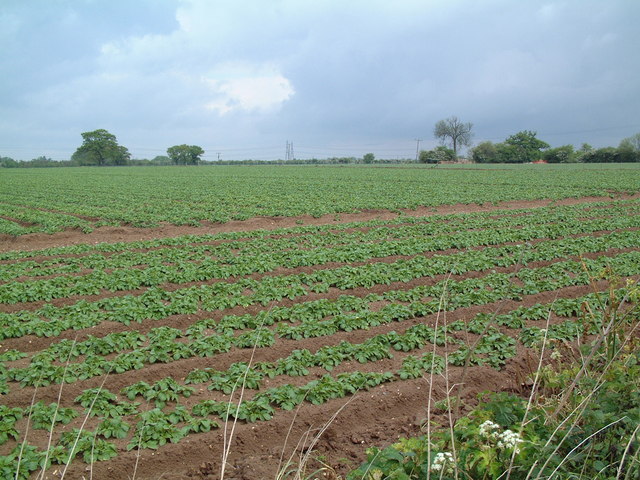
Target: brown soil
(334, 434)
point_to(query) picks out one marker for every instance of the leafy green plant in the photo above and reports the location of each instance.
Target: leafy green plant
(95, 396)
(285, 396)
(42, 416)
(155, 429)
(416, 367)
(21, 462)
(209, 407)
(163, 391)
(113, 428)
(8, 418)
(322, 390)
(11, 355)
(253, 410)
(83, 442)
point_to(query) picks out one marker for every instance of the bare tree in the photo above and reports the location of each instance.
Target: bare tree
(451, 128)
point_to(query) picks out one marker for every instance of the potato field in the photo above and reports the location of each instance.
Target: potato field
(262, 322)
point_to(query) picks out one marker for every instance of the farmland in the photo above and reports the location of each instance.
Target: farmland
(52, 200)
(151, 321)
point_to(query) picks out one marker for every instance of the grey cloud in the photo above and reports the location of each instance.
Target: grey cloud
(362, 73)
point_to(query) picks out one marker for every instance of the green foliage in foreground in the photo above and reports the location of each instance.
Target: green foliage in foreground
(591, 445)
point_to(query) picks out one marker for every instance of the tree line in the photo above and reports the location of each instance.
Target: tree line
(526, 148)
(100, 147)
(522, 147)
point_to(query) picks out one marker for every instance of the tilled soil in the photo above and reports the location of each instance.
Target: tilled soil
(333, 436)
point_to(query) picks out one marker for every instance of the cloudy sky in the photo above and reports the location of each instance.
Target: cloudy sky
(335, 77)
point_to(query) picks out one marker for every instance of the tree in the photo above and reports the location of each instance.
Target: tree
(160, 160)
(8, 162)
(506, 153)
(484, 152)
(451, 128)
(564, 154)
(100, 147)
(602, 155)
(368, 158)
(437, 155)
(629, 149)
(585, 149)
(185, 154)
(526, 147)
(632, 142)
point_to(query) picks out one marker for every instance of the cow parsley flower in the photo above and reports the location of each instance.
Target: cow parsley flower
(443, 461)
(488, 429)
(509, 440)
(503, 440)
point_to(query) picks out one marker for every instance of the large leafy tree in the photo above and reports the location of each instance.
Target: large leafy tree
(99, 147)
(525, 147)
(368, 158)
(456, 132)
(185, 154)
(629, 149)
(485, 152)
(563, 154)
(437, 155)
(631, 143)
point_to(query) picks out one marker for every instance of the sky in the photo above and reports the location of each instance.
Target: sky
(241, 78)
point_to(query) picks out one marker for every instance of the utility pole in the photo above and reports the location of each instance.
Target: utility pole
(219, 156)
(418, 140)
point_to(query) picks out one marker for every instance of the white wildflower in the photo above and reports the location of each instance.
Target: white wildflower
(509, 440)
(503, 440)
(443, 461)
(487, 429)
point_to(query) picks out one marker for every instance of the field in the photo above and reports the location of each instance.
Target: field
(156, 321)
(51, 200)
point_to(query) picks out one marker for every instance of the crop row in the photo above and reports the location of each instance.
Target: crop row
(144, 198)
(158, 303)
(493, 342)
(36, 220)
(134, 278)
(117, 274)
(342, 244)
(162, 346)
(156, 427)
(381, 229)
